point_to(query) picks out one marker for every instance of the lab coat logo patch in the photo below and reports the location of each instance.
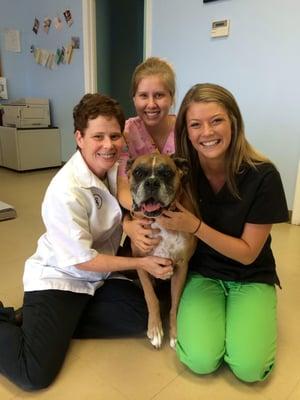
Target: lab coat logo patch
(98, 200)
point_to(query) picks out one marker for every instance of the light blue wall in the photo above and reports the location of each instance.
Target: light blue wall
(64, 86)
(259, 63)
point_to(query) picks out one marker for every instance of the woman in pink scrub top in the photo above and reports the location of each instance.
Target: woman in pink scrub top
(152, 130)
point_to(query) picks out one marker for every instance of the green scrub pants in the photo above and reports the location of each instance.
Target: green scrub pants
(231, 321)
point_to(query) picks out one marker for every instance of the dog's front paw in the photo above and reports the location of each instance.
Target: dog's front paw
(173, 330)
(155, 336)
(173, 342)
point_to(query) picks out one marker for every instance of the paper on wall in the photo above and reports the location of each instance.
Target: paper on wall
(12, 40)
(68, 54)
(3, 88)
(58, 23)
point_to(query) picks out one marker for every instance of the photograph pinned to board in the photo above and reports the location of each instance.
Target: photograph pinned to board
(39, 56)
(68, 17)
(75, 42)
(51, 61)
(36, 25)
(68, 54)
(58, 23)
(47, 24)
(59, 56)
(44, 57)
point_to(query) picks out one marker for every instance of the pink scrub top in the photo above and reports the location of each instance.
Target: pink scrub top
(140, 142)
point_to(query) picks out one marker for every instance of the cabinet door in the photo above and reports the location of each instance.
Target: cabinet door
(8, 139)
(39, 148)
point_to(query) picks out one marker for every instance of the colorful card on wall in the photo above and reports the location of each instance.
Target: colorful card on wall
(58, 23)
(47, 24)
(51, 61)
(68, 17)
(36, 25)
(59, 56)
(75, 42)
(68, 54)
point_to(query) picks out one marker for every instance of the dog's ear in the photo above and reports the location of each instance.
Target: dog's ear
(129, 163)
(182, 164)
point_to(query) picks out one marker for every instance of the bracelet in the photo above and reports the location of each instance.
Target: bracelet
(198, 226)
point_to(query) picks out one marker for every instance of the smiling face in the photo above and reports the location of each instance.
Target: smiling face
(152, 100)
(209, 130)
(100, 144)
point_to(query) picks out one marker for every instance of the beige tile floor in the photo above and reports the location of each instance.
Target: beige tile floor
(130, 369)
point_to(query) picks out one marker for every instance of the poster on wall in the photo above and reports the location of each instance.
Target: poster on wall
(12, 40)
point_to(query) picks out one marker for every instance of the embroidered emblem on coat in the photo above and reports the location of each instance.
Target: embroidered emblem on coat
(98, 200)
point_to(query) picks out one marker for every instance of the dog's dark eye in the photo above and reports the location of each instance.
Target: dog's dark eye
(139, 173)
(166, 173)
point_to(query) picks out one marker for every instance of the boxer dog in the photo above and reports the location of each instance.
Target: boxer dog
(155, 184)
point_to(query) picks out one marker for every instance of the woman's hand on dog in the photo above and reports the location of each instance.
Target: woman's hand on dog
(179, 220)
(159, 267)
(141, 234)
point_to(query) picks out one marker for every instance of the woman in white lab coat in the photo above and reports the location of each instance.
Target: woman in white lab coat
(72, 284)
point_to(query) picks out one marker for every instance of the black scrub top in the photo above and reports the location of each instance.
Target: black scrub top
(262, 201)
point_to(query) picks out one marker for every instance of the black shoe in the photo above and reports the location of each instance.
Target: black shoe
(19, 316)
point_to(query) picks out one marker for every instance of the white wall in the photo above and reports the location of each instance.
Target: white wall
(259, 63)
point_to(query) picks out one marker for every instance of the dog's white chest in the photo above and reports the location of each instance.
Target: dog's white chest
(172, 245)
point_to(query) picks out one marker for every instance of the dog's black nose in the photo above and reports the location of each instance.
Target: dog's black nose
(152, 183)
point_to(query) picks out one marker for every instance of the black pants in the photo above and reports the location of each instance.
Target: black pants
(32, 355)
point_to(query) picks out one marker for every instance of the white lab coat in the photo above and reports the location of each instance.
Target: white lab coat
(82, 218)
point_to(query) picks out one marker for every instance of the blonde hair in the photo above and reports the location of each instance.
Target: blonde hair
(154, 66)
(239, 154)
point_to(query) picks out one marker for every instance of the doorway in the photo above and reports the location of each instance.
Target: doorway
(119, 47)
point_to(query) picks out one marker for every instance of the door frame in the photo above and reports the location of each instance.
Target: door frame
(89, 41)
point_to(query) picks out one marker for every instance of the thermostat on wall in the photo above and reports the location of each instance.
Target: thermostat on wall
(220, 28)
